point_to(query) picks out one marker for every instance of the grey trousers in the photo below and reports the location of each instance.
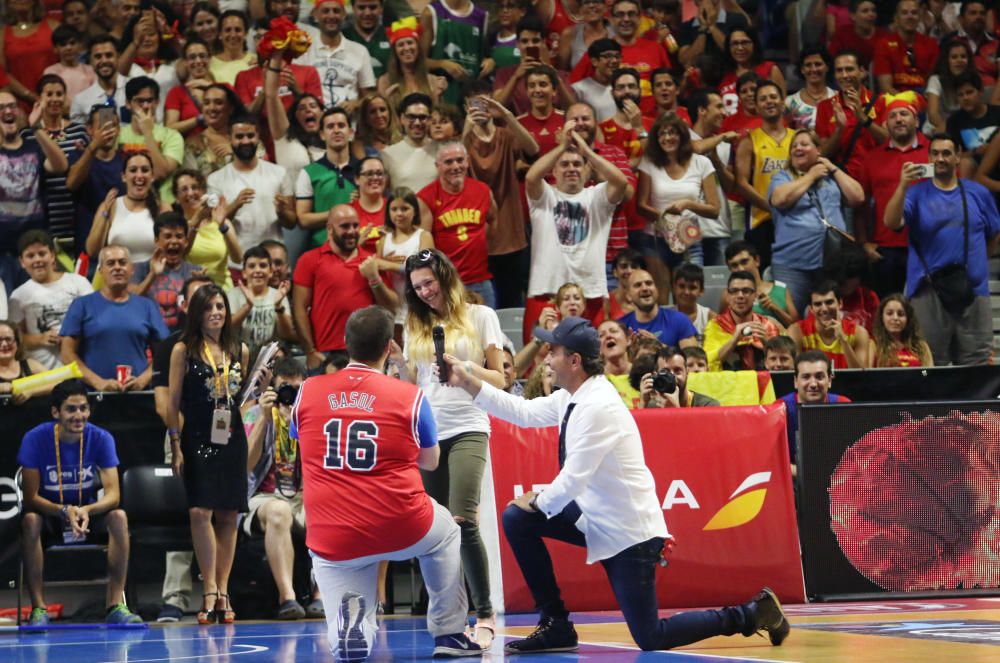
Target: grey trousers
(177, 580)
(440, 565)
(963, 341)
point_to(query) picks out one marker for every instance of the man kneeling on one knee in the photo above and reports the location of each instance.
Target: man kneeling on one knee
(275, 484)
(60, 460)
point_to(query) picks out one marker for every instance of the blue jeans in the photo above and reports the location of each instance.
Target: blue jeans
(632, 574)
(485, 290)
(798, 281)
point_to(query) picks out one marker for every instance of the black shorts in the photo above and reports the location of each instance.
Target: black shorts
(53, 526)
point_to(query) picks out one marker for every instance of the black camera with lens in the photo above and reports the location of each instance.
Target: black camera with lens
(664, 382)
(287, 393)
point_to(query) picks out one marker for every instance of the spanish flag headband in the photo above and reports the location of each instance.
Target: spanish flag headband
(403, 28)
(908, 99)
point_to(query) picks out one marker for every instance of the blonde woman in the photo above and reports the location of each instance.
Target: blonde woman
(435, 297)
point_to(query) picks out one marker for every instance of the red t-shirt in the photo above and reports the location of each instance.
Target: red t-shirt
(728, 91)
(179, 99)
(374, 219)
(543, 131)
(879, 177)
(250, 85)
(644, 56)
(338, 289)
(459, 228)
(624, 137)
(826, 125)
(626, 217)
(560, 21)
(359, 443)
(848, 40)
(892, 57)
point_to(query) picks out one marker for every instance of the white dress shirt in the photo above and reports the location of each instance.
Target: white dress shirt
(605, 471)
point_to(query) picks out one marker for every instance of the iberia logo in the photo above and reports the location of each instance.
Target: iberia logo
(744, 504)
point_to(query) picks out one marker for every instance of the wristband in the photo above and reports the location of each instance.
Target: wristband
(224, 228)
(64, 512)
(201, 120)
(533, 503)
(279, 309)
(375, 285)
(276, 70)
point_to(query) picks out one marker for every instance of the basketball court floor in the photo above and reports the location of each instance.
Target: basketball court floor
(933, 631)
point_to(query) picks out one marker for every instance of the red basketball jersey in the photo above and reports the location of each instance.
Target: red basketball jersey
(460, 227)
(358, 440)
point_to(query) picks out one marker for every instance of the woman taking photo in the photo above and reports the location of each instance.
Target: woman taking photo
(233, 58)
(211, 149)
(207, 370)
(407, 71)
(896, 337)
(184, 106)
(128, 220)
(146, 53)
(15, 364)
(805, 199)
(435, 297)
(212, 240)
(672, 178)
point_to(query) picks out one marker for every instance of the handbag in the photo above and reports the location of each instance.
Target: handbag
(834, 239)
(951, 283)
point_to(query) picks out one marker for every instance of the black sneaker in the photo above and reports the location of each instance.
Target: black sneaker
(770, 617)
(550, 635)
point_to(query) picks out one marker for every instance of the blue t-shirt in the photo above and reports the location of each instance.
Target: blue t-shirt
(103, 176)
(38, 453)
(792, 417)
(669, 326)
(799, 232)
(934, 218)
(112, 333)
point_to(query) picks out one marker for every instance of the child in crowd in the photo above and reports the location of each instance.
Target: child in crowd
(696, 360)
(161, 278)
(68, 45)
(688, 287)
(260, 312)
(779, 354)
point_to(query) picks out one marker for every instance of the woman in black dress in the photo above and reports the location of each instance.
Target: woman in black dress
(207, 369)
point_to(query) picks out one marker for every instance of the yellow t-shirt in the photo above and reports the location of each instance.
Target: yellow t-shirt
(209, 252)
(630, 396)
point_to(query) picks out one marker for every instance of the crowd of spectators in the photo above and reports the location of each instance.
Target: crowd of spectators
(570, 158)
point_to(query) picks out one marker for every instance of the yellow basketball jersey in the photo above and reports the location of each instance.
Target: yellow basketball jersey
(769, 156)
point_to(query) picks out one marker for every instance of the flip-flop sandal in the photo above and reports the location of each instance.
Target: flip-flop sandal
(482, 640)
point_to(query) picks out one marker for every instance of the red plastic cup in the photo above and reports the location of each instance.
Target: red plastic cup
(124, 373)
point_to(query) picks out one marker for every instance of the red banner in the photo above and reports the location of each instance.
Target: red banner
(723, 478)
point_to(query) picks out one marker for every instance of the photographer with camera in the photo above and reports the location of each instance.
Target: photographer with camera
(275, 483)
(662, 381)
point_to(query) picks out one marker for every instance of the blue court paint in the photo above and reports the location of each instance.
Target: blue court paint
(400, 639)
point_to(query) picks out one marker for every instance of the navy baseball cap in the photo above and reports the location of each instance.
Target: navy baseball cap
(575, 334)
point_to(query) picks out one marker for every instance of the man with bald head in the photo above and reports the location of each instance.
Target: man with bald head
(331, 282)
(456, 209)
(668, 326)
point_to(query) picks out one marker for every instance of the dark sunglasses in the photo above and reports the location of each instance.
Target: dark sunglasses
(424, 258)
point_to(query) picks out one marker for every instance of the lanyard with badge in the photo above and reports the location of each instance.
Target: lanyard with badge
(221, 416)
(69, 536)
(286, 454)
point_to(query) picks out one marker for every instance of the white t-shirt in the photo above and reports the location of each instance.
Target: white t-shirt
(665, 190)
(598, 96)
(133, 230)
(453, 408)
(412, 167)
(343, 71)
(569, 240)
(42, 308)
(258, 219)
(723, 225)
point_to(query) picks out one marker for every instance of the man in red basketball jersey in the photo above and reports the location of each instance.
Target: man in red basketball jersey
(363, 437)
(456, 209)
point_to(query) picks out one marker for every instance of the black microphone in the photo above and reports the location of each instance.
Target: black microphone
(444, 370)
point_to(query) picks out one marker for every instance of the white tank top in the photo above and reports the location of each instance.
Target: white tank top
(407, 248)
(133, 230)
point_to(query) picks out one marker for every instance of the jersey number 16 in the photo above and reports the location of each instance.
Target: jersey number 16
(361, 449)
